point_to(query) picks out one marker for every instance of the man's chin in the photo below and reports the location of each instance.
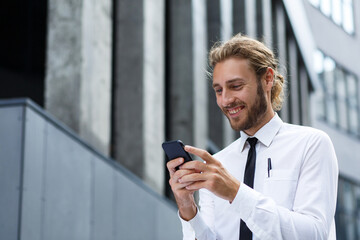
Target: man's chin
(236, 128)
(236, 125)
(240, 126)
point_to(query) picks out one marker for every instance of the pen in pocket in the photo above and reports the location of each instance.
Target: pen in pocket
(269, 166)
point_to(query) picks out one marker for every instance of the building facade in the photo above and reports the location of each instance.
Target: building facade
(127, 75)
(335, 28)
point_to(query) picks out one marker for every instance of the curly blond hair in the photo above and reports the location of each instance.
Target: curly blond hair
(260, 58)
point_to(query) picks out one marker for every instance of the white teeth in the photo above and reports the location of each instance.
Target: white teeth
(234, 111)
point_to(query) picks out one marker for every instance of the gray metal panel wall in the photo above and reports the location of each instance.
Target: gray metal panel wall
(33, 178)
(67, 188)
(69, 191)
(103, 217)
(11, 120)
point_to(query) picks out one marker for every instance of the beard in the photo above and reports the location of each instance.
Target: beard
(255, 112)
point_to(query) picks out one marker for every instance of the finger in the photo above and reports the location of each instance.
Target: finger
(194, 177)
(172, 164)
(204, 155)
(196, 166)
(200, 182)
(195, 186)
(179, 174)
(175, 182)
(179, 186)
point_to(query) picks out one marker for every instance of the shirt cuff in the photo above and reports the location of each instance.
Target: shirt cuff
(245, 202)
(187, 230)
(194, 227)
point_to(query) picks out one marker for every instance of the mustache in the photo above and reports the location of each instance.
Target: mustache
(234, 104)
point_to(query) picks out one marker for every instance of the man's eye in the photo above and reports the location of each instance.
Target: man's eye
(236, 86)
(218, 91)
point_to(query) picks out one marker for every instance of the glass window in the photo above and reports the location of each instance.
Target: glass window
(339, 95)
(337, 11)
(357, 212)
(349, 206)
(329, 64)
(316, 3)
(318, 62)
(347, 210)
(353, 104)
(329, 80)
(321, 104)
(325, 7)
(341, 98)
(348, 22)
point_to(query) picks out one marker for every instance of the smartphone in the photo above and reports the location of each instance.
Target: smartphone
(175, 149)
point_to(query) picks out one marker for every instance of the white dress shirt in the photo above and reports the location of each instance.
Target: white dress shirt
(296, 199)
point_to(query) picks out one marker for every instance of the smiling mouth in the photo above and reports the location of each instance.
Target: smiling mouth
(235, 110)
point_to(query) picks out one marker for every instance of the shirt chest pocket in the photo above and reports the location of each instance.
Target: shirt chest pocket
(281, 186)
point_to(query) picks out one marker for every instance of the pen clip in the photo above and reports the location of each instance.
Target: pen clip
(269, 167)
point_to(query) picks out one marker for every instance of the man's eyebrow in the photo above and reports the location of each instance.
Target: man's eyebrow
(215, 85)
(229, 82)
(234, 80)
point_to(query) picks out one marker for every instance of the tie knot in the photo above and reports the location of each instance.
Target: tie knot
(252, 141)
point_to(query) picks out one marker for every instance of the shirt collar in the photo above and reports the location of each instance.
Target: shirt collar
(265, 134)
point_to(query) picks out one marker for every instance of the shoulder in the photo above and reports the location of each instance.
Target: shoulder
(314, 143)
(303, 132)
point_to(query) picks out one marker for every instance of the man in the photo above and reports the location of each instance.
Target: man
(277, 181)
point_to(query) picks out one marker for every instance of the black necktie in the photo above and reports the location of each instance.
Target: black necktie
(245, 233)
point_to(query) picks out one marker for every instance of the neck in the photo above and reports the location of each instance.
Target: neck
(264, 120)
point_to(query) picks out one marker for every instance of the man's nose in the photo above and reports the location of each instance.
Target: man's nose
(227, 98)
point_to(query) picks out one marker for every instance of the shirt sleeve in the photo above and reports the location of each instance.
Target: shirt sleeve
(187, 230)
(201, 226)
(314, 205)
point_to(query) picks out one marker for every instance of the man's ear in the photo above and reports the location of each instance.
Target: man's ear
(269, 78)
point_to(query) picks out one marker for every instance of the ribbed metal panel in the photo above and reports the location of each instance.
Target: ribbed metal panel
(55, 186)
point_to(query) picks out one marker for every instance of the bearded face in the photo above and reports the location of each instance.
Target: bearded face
(240, 94)
(254, 113)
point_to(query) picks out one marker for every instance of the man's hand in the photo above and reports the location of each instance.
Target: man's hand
(184, 197)
(210, 175)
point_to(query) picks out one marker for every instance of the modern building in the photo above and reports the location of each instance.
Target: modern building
(335, 26)
(126, 75)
